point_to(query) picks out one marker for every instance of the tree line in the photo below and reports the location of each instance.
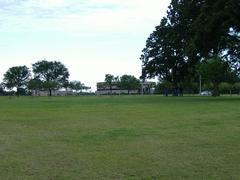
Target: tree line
(125, 82)
(196, 39)
(47, 76)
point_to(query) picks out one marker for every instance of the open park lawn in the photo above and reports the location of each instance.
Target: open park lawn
(119, 137)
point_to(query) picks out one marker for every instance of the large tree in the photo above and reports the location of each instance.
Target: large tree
(165, 54)
(129, 83)
(2, 92)
(16, 77)
(53, 74)
(193, 30)
(217, 28)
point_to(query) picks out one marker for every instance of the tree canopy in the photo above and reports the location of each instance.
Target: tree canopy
(78, 86)
(47, 75)
(53, 74)
(166, 54)
(129, 82)
(110, 80)
(216, 29)
(16, 77)
(192, 31)
(216, 71)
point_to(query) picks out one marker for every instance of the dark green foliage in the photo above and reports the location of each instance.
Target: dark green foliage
(226, 88)
(50, 85)
(34, 84)
(166, 54)
(160, 57)
(217, 28)
(53, 74)
(162, 87)
(78, 86)
(237, 87)
(129, 83)
(192, 31)
(2, 92)
(216, 71)
(16, 77)
(110, 80)
(207, 86)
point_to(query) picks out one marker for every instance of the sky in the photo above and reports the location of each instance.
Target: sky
(90, 37)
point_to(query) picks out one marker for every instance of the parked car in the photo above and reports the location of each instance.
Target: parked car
(206, 93)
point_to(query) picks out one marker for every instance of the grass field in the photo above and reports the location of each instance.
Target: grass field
(122, 137)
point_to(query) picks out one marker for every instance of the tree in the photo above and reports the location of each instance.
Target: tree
(216, 71)
(2, 92)
(16, 77)
(165, 54)
(109, 80)
(226, 88)
(237, 87)
(86, 87)
(34, 84)
(53, 74)
(129, 83)
(216, 30)
(76, 85)
(191, 32)
(50, 85)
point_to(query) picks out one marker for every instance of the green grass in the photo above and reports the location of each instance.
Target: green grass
(122, 137)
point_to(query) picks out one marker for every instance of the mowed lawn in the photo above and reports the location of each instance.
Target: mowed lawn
(119, 137)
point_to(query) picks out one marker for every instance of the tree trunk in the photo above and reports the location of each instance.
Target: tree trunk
(18, 92)
(111, 89)
(215, 89)
(174, 89)
(50, 92)
(128, 92)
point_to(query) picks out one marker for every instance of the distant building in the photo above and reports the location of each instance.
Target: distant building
(104, 89)
(147, 87)
(54, 93)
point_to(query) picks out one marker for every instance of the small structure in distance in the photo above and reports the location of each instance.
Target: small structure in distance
(104, 89)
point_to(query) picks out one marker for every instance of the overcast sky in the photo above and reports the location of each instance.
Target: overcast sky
(91, 37)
